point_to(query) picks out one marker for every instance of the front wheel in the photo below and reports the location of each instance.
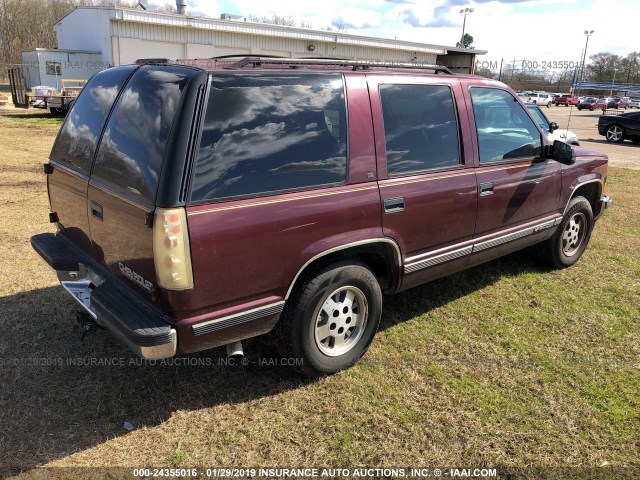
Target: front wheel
(568, 243)
(332, 319)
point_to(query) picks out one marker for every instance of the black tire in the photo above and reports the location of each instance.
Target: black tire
(299, 329)
(567, 245)
(579, 108)
(591, 109)
(615, 133)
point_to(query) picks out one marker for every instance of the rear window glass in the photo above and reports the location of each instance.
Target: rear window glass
(132, 147)
(420, 128)
(78, 138)
(267, 134)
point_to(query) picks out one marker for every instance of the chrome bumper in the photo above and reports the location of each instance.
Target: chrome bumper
(605, 203)
(131, 319)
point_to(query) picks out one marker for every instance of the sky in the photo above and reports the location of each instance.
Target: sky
(534, 30)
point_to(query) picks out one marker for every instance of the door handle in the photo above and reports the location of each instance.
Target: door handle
(96, 210)
(486, 188)
(395, 204)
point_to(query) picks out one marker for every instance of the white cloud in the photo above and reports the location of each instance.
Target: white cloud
(532, 30)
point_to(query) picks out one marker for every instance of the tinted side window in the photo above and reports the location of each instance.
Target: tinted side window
(267, 134)
(420, 128)
(78, 138)
(132, 147)
(505, 131)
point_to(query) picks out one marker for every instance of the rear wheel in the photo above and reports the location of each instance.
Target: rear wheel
(332, 319)
(568, 243)
(614, 133)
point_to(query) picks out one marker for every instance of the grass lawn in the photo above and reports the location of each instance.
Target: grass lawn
(507, 364)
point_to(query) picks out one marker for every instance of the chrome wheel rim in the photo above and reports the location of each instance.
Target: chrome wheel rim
(574, 234)
(341, 321)
(614, 133)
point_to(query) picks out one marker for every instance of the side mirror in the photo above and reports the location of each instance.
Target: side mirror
(553, 126)
(561, 152)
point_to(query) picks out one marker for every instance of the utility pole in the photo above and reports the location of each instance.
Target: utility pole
(588, 33)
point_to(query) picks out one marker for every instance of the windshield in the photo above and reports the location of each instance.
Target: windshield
(539, 117)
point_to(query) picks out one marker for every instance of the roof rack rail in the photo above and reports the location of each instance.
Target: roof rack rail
(258, 61)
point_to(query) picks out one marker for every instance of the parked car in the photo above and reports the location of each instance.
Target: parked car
(601, 103)
(524, 97)
(621, 127)
(618, 103)
(541, 98)
(199, 208)
(551, 129)
(634, 103)
(567, 99)
(588, 103)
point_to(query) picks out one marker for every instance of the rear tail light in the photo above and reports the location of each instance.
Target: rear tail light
(171, 252)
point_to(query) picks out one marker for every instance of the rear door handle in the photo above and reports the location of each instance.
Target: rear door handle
(96, 210)
(395, 204)
(486, 188)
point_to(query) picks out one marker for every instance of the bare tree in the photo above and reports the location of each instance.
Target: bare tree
(280, 20)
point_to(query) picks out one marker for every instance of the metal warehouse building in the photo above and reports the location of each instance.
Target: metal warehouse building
(48, 66)
(123, 35)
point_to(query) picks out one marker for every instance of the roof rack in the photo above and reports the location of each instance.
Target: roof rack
(258, 61)
(153, 61)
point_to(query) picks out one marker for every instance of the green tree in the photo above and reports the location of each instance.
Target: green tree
(467, 40)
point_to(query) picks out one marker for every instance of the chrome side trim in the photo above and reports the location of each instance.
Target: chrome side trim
(398, 256)
(478, 247)
(576, 188)
(237, 318)
(435, 260)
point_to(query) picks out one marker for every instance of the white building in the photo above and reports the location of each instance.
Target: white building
(123, 35)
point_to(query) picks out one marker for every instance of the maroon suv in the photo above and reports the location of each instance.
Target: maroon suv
(199, 208)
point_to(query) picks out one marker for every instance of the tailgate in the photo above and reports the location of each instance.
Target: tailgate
(126, 173)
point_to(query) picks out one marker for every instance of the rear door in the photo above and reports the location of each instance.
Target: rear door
(425, 166)
(126, 172)
(73, 152)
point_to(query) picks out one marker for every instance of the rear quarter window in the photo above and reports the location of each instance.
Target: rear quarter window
(132, 149)
(80, 133)
(270, 134)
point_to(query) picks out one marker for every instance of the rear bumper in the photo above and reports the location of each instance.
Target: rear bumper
(605, 203)
(133, 321)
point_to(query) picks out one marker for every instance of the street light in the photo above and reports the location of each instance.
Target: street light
(464, 12)
(588, 33)
(615, 69)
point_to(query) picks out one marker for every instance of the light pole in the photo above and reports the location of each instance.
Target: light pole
(464, 12)
(613, 81)
(588, 33)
